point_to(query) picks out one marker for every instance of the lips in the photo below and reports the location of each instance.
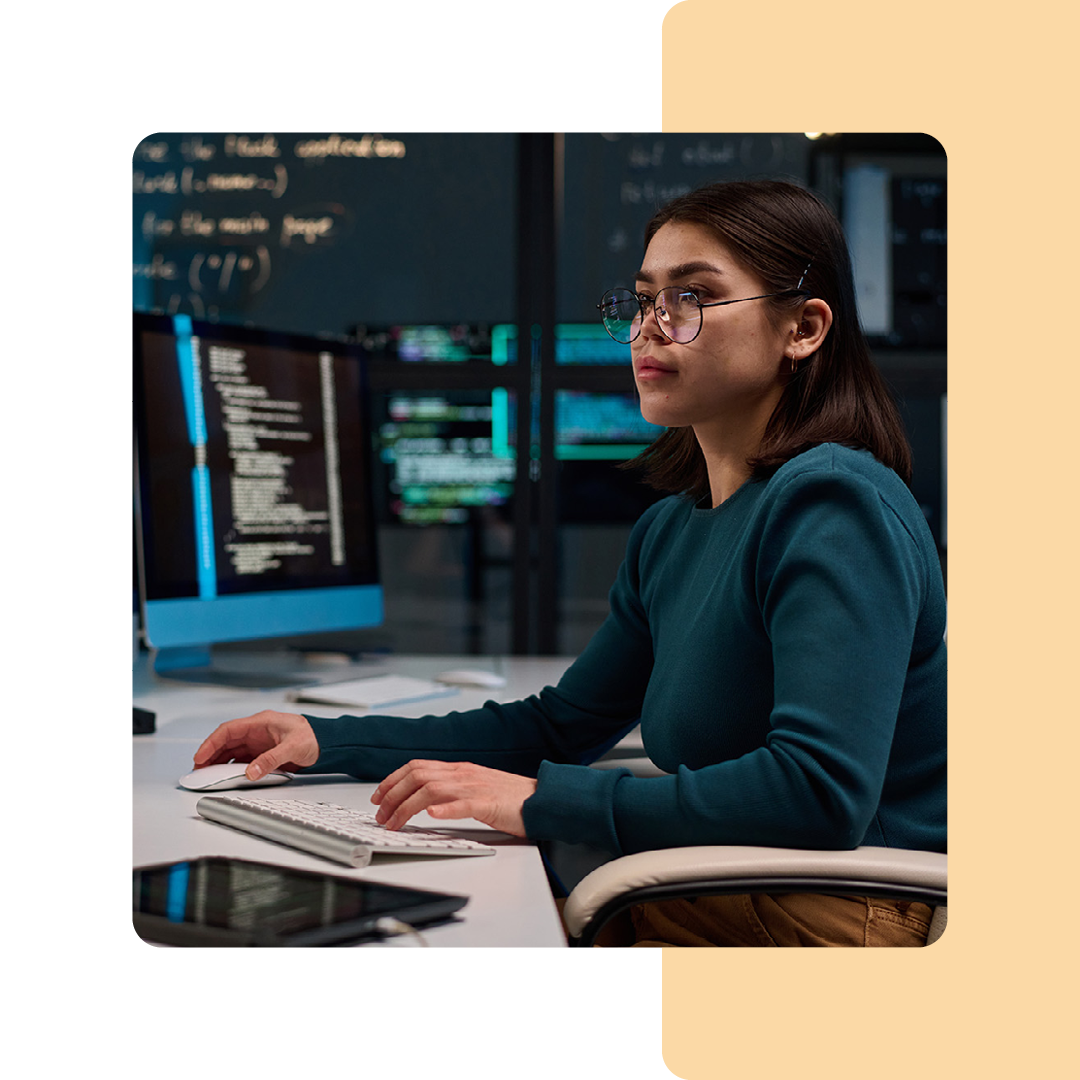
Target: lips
(649, 368)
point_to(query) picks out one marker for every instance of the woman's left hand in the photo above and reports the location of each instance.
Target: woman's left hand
(453, 789)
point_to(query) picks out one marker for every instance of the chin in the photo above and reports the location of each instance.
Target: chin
(654, 412)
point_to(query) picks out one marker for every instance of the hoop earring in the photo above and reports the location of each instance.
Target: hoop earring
(794, 365)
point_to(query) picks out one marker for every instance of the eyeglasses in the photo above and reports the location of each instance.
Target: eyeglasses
(678, 311)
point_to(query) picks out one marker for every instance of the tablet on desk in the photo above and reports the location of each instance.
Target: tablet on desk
(235, 902)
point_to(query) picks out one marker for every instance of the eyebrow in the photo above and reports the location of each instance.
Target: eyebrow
(680, 271)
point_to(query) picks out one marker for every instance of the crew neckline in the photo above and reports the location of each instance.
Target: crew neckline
(701, 510)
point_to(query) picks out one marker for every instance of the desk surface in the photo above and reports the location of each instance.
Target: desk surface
(510, 902)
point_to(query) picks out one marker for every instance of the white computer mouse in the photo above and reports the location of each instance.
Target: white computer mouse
(467, 677)
(227, 777)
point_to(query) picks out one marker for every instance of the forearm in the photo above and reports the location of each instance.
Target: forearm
(514, 737)
(370, 748)
(768, 797)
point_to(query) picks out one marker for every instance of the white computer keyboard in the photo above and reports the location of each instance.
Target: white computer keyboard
(333, 832)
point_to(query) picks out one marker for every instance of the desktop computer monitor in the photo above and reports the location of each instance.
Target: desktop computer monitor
(443, 455)
(254, 513)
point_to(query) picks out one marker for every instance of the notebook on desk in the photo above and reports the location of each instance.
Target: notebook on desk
(374, 692)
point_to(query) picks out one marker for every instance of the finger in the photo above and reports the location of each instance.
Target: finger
(272, 759)
(212, 745)
(419, 784)
(226, 737)
(424, 798)
(389, 782)
(229, 753)
(408, 772)
(456, 809)
(396, 794)
(223, 739)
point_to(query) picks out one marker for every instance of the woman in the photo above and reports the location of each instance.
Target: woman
(777, 624)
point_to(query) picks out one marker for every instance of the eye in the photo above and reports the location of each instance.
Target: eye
(687, 299)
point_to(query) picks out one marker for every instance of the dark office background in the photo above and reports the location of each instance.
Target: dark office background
(442, 252)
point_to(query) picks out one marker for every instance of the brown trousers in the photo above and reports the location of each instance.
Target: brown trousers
(796, 919)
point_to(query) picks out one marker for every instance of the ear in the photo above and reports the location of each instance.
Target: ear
(809, 332)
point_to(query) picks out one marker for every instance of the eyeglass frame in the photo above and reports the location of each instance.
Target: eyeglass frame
(701, 321)
(642, 299)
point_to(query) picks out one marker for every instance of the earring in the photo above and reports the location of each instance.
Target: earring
(794, 362)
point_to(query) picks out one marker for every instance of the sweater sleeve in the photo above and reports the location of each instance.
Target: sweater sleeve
(597, 700)
(839, 582)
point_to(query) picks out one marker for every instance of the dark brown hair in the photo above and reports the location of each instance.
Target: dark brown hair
(775, 229)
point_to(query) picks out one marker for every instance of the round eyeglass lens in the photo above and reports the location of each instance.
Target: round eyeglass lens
(678, 313)
(622, 315)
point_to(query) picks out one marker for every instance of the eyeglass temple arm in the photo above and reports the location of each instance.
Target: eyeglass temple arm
(743, 299)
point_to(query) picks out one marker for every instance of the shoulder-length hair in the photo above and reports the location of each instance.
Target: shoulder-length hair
(787, 236)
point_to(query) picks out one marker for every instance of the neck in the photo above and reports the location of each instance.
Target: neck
(726, 476)
(728, 441)
(726, 450)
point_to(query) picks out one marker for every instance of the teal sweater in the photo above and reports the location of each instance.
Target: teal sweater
(784, 653)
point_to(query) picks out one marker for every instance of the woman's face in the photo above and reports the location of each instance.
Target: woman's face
(733, 372)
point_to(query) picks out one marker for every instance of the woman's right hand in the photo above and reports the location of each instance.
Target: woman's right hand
(268, 740)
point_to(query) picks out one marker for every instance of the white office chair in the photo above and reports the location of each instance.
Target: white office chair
(699, 871)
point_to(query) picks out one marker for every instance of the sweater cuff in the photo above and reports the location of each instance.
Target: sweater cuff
(337, 746)
(575, 804)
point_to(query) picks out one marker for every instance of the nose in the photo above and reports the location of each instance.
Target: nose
(648, 312)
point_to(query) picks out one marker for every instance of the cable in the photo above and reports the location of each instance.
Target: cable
(391, 927)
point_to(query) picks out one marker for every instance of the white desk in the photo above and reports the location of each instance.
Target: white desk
(510, 901)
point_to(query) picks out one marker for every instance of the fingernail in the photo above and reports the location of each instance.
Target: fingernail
(254, 772)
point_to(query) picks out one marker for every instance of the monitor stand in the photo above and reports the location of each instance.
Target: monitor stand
(249, 671)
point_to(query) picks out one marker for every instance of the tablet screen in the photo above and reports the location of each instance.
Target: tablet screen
(236, 902)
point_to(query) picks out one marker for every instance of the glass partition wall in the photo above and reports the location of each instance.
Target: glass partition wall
(502, 510)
